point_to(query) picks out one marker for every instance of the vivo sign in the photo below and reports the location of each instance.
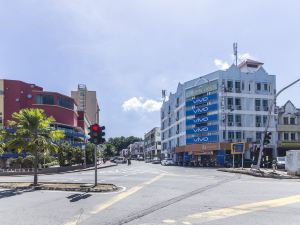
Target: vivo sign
(203, 109)
(202, 139)
(202, 99)
(202, 119)
(196, 130)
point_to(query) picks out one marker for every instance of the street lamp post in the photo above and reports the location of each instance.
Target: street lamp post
(268, 121)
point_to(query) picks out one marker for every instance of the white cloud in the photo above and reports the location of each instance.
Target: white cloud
(221, 64)
(138, 103)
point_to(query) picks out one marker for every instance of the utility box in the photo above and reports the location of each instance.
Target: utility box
(292, 163)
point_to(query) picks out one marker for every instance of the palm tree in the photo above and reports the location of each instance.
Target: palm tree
(33, 134)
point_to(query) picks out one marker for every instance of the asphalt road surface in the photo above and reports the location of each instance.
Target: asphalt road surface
(154, 194)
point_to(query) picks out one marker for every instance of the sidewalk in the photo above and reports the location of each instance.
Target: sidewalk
(268, 173)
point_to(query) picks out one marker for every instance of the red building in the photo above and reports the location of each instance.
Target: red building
(17, 95)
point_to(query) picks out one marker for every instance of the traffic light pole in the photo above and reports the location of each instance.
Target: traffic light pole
(273, 103)
(96, 164)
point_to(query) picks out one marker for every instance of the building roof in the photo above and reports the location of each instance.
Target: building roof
(249, 61)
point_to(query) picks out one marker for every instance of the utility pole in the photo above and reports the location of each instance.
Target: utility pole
(96, 164)
(268, 121)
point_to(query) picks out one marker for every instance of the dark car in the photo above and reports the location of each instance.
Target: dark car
(155, 160)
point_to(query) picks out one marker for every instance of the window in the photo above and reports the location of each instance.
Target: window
(230, 103)
(177, 115)
(265, 120)
(293, 136)
(229, 86)
(292, 121)
(230, 120)
(252, 65)
(230, 135)
(1, 120)
(238, 103)
(177, 102)
(258, 121)
(265, 87)
(238, 86)
(65, 102)
(265, 104)
(249, 87)
(258, 136)
(286, 136)
(238, 120)
(238, 135)
(257, 104)
(258, 86)
(44, 99)
(285, 120)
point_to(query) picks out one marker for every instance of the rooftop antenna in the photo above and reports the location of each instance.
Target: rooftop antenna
(235, 52)
(163, 95)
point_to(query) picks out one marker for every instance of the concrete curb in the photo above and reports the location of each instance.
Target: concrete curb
(43, 186)
(256, 173)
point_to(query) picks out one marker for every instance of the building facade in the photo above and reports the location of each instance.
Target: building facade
(206, 115)
(288, 128)
(87, 102)
(152, 143)
(136, 149)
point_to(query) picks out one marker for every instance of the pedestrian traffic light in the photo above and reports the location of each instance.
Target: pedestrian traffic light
(94, 133)
(267, 138)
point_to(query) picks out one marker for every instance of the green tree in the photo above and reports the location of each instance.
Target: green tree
(33, 134)
(65, 153)
(108, 150)
(89, 153)
(122, 142)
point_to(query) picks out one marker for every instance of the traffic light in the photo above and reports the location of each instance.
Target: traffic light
(101, 138)
(96, 134)
(267, 138)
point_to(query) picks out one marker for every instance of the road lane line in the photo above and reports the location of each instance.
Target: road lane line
(241, 209)
(124, 195)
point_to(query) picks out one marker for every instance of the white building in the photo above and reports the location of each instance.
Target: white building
(205, 115)
(152, 143)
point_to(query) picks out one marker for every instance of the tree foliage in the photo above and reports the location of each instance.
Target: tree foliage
(122, 142)
(32, 134)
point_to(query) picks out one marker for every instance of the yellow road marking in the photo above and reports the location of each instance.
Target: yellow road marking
(124, 194)
(243, 209)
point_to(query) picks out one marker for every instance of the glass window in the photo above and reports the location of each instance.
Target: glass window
(258, 136)
(238, 86)
(257, 104)
(286, 136)
(230, 135)
(65, 102)
(292, 120)
(229, 86)
(265, 87)
(44, 99)
(265, 120)
(238, 120)
(258, 86)
(285, 120)
(238, 135)
(230, 103)
(258, 121)
(265, 104)
(293, 136)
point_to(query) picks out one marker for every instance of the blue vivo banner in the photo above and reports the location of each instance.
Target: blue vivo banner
(197, 130)
(202, 139)
(202, 119)
(202, 109)
(202, 99)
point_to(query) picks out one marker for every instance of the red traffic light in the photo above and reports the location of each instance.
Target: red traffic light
(95, 127)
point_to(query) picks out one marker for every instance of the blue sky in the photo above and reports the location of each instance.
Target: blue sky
(129, 50)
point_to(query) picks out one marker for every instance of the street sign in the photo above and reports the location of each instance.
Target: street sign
(238, 148)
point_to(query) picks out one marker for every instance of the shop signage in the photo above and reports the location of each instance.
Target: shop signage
(202, 119)
(238, 148)
(202, 139)
(204, 88)
(200, 100)
(197, 130)
(202, 109)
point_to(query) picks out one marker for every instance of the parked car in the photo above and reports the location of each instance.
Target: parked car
(112, 159)
(119, 159)
(140, 158)
(155, 160)
(280, 162)
(167, 162)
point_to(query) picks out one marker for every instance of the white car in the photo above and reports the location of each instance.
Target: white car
(167, 162)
